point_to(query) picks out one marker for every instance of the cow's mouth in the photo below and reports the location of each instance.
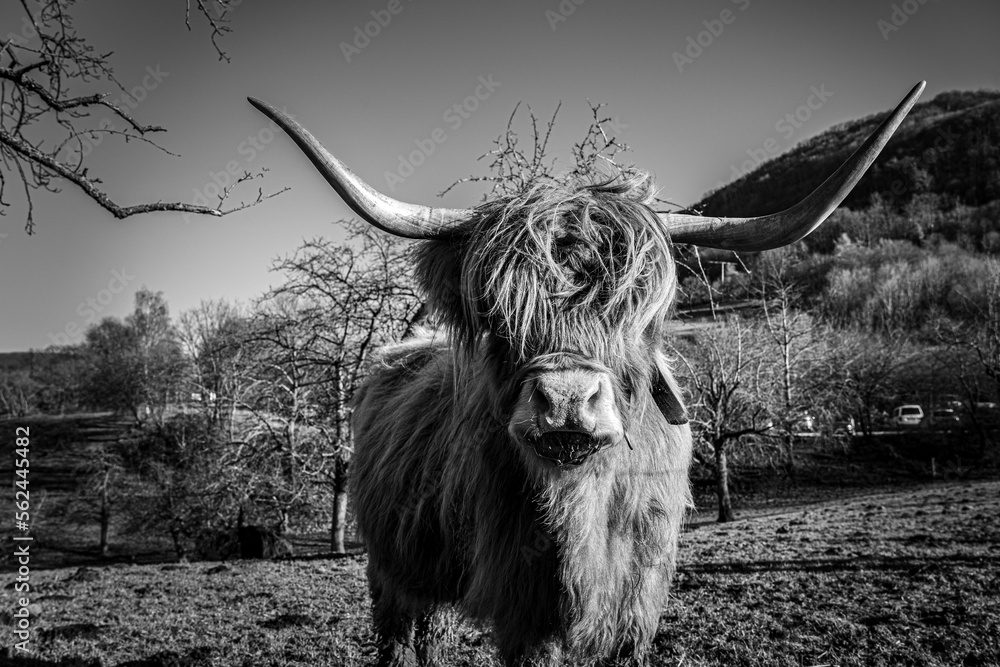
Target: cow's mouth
(567, 447)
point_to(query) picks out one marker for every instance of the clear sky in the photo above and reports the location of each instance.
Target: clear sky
(693, 114)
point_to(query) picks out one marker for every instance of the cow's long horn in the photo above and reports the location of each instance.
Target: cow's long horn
(788, 226)
(396, 217)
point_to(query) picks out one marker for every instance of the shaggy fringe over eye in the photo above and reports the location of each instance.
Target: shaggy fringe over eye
(556, 262)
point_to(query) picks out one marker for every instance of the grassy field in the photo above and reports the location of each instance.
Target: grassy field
(905, 575)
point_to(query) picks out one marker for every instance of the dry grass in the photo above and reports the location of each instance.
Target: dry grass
(899, 578)
(908, 577)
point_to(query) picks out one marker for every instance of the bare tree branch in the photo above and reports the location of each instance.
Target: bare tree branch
(217, 22)
(41, 72)
(512, 168)
(37, 157)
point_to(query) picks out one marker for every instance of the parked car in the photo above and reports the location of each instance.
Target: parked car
(908, 415)
(945, 417)
(844, 426)
(948, 400)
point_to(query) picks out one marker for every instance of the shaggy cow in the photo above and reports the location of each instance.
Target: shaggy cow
(529, 464)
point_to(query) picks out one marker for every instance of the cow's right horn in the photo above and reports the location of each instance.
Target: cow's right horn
(788, 226)
(396, 217)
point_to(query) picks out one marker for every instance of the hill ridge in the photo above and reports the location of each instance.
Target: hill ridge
(964, 169)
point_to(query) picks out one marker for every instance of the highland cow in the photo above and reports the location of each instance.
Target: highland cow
(528, 463)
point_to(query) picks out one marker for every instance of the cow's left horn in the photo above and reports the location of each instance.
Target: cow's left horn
(788, 226)
(396, 217)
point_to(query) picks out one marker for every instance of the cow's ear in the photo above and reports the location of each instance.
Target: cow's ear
(666, 393)
(439, 273)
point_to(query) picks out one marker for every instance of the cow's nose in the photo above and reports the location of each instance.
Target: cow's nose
(568, 402)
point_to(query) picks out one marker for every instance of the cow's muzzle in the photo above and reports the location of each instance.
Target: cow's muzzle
(567, 415)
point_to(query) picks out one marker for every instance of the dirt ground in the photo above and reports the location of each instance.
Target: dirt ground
(900, 577)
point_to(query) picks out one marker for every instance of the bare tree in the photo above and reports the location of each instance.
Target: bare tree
(957, 369)
(724, 372)
(102, 481)
(18, 393)
(277, 443)
(211, 336)
(101, 492)
(285, 375)
(988, 350)
(353, 298)
(971, 354)
(982, 335)
(160, 364)
(54, 83)
(187, 483)
(107, 493)
(134, 366)
(804, 374)
(869, 365)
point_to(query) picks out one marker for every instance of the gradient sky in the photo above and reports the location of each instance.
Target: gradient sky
(692, 125)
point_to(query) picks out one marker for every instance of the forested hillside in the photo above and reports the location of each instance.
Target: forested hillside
(948, 147)
(911, 246)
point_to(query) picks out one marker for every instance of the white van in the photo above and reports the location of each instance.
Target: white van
(908, 415)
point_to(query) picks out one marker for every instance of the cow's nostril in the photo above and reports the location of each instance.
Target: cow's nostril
(594, 397)
(540, 400)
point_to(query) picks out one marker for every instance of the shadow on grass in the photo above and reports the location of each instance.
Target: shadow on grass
(912, 565)
(196, 657)
(355, 551)
(53, 552)
(52, 555)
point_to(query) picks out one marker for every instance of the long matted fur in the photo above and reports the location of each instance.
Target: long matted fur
(564, 561)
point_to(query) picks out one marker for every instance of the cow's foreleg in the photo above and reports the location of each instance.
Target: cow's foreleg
(427, 637)
(393, 626)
